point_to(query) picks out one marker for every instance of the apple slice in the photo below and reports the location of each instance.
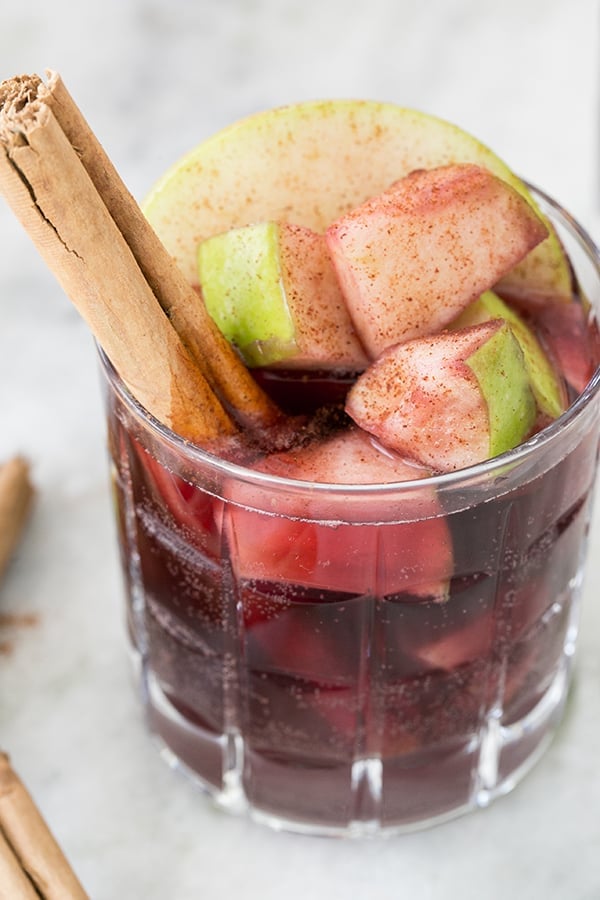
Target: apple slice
(310, 163)
(548, 388)
(341, 544)
(410, 259)
(450, 400)
(461, 646)
(271, 289)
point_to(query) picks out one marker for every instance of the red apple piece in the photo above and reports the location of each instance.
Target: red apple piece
(343, 544)
(460, 646)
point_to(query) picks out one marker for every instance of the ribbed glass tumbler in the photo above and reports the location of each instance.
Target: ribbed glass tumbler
(356, 659)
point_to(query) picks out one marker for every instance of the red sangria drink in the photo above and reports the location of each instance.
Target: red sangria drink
(367, 622)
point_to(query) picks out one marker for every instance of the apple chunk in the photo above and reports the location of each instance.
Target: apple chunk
(271, 289)
(342, 543)
(547, 386)
(410, 259)
(450, 400)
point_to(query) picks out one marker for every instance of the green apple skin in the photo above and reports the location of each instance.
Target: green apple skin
(241, 282)
(500, 368)
(271, 289)
(449, 400)
(547, 386)
(312, 162)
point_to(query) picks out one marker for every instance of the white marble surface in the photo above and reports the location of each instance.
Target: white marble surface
(154, 77)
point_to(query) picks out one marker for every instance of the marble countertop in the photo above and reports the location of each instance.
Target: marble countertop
(154, 77)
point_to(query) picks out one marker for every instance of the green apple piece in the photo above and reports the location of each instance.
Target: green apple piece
(311, 163)
(240, 279)
(271, 289)
(546, 384)
(449, 400)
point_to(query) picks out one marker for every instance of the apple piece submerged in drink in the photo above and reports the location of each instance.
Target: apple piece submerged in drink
(335, 634)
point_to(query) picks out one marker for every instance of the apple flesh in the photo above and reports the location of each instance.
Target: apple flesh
(311, 163)
(450, 400)
(271, 289)
(548, 388)
(359, 555)
(410, 259)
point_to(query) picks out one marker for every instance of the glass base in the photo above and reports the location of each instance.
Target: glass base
(233, 776)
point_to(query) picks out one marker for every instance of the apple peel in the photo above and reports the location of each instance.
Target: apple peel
(548, 388)
(450, 400)
(272, 290)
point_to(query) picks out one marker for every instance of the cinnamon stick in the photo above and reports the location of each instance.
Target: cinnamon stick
(14, 883)
(27, 835)
(224, 370)
(50, 191)
(16, 499)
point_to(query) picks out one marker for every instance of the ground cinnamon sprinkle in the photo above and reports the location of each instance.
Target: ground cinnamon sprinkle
(11, 623)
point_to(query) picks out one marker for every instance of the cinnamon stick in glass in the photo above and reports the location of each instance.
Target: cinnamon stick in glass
(219, 363)
(16, 498)
(50, 191)
(35, 849)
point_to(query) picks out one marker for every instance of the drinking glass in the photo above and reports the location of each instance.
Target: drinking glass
(351, 659)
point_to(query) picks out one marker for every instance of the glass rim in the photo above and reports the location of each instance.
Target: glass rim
(460, 477)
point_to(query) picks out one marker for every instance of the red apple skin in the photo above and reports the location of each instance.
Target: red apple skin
(412, 258)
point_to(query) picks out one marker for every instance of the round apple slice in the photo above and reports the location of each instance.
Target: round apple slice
(310, 163)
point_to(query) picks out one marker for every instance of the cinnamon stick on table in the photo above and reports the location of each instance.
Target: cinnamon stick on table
(93, 236)
(32, 865)
(14, 883)
(16, 498)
